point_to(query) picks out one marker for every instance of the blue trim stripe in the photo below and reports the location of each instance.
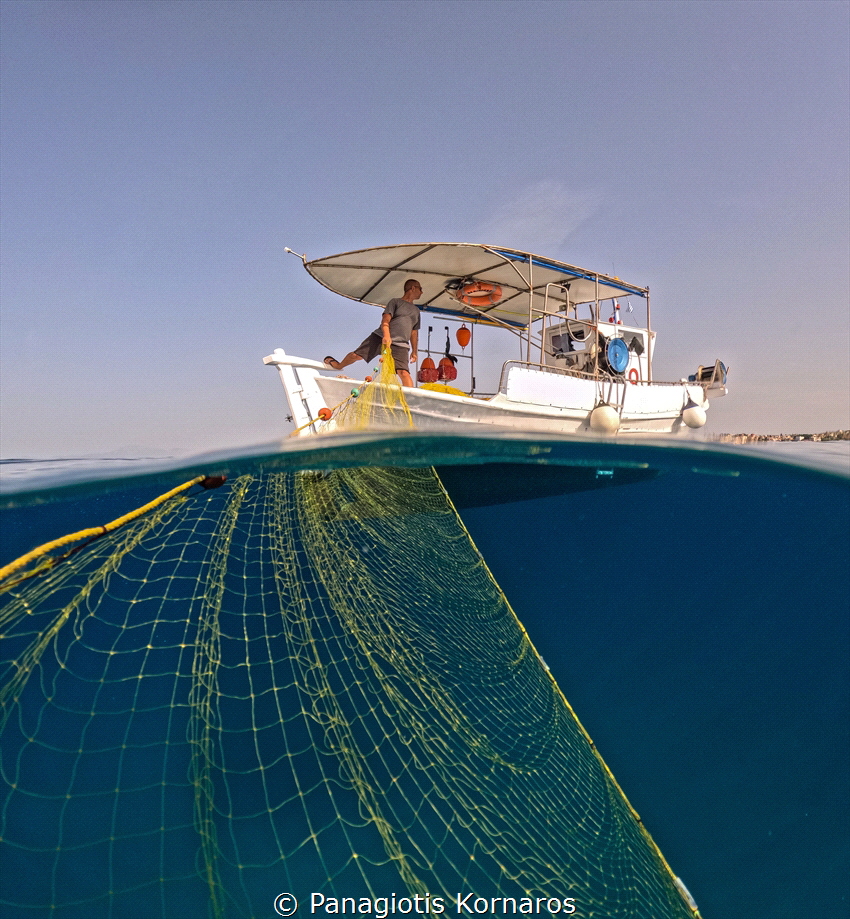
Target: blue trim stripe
(467, 318)
(554, 266)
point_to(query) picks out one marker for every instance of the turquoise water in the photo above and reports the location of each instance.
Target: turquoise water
(691, 603)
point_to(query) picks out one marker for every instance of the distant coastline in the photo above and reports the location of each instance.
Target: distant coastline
(773, 438)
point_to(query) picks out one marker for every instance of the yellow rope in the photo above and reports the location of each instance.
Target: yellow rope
(314, 420)
(91, 532)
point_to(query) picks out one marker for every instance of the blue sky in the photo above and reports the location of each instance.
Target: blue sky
(158, 156)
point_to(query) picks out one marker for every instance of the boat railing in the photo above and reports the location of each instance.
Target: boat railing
(601, 376)
(547, 368)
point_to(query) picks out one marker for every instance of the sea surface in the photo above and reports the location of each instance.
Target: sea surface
(690, 599)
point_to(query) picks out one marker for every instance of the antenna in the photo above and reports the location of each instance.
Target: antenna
(292, 252)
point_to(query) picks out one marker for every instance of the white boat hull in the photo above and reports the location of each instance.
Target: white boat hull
(531, 399)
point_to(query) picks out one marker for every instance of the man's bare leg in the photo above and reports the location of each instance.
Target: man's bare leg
(349, 358)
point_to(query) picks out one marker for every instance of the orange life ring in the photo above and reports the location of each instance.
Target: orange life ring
(634, 376)
(479, 293)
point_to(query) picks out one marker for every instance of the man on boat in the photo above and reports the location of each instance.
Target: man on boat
(399, 331)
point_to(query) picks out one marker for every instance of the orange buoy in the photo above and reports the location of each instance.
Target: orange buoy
(463, 335)
(325, 414)
(479, 293)
(427, 372)
(446, 370)
(368, 379)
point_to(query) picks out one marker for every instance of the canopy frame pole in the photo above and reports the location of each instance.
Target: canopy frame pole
(492, 320)
(530, 309)
(546, 315)
(472, 358)
(596, 317)
(649, 347)
(510, 262)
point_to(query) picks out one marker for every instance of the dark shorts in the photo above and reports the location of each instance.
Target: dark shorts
(370, 348)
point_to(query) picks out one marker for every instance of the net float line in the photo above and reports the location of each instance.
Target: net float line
(91, 533)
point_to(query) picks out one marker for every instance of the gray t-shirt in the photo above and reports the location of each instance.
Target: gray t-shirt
(405, 320)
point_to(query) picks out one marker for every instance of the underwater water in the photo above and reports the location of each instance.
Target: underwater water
(690, 602)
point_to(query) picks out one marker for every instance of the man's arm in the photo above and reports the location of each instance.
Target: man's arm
(414, 344)
(385, 329)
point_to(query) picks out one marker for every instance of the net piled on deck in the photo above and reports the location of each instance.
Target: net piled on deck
(302, 682)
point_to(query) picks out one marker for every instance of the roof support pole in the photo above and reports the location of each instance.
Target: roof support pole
(472, 357)
(648, 339)
(545, 322)
(596, 317)
(530, 310)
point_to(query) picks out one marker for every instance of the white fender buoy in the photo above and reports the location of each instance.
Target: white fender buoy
(693, 415)
(604, 419)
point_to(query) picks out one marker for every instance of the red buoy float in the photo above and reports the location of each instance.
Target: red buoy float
(427, 372)
(325, 414)
(463, 336)
(446, 370)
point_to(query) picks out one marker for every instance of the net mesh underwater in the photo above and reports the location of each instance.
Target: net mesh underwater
(300, 681)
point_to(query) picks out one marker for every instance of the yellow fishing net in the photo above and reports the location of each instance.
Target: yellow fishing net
(306, 683)
(378, 402)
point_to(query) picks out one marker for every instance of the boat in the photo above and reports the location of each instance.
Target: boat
(584, 366)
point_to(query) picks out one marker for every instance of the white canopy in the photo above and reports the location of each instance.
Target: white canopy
(377, 275)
